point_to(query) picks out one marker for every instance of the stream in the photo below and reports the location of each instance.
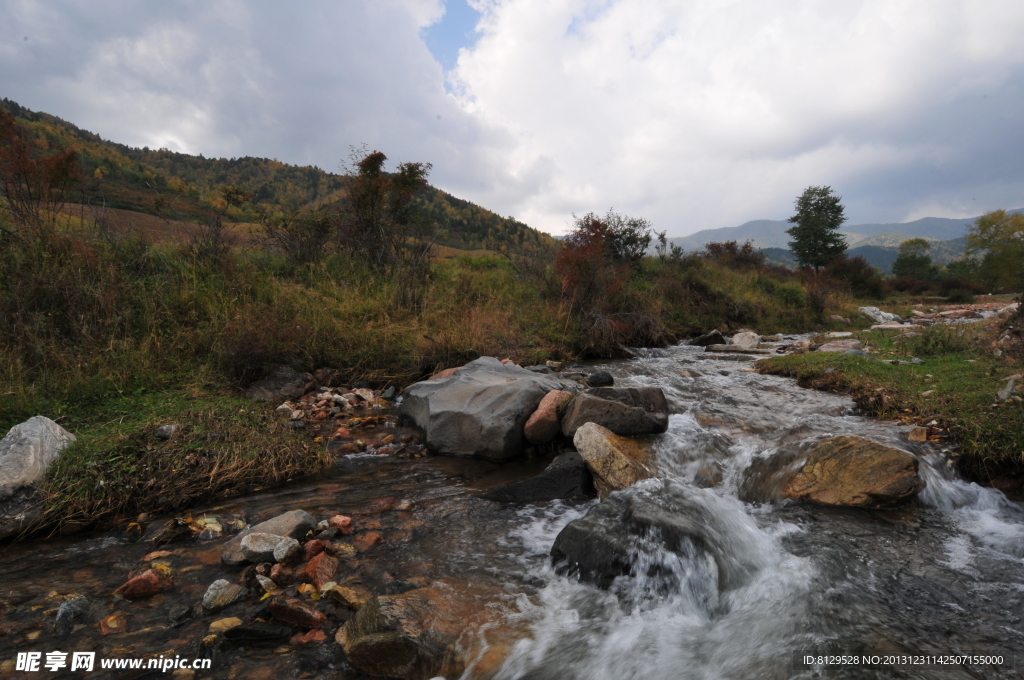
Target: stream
(943, 575)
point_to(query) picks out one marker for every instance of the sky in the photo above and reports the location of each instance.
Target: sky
(695, 114)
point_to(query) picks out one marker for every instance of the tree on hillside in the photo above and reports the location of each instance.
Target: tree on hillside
(33, 184)
(379, 219)
(914, 261)
(815, 231)
(1000, 236)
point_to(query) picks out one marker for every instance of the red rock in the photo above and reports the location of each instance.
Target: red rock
(303, 639)
(146, 584)
(281, 575)
(320, 570)
(320, 415)
(446, 373)
(364, 542)
(339, 522)
(544, 424)
(312, 548)
(410, 439)
(296, 612)
(342, 432)
(156, 555)
(349, 448)
(369, 524)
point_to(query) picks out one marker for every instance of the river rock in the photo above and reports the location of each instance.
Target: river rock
(478, 411)
(715, 337)
(296, 612)
(295, 524)
(878, 316)
(70, 610)
(627, 533)
(429, 632)
(839, 346)
(146, 584)
(320, 570)
(286, 550)
(745, 340)
(615, 462)
(260, 547)
(222, 593)
(279, 384)
(544, 424)
(600, 379)
(852, 471)
(566, 477)
(26, 453)
(623, 410)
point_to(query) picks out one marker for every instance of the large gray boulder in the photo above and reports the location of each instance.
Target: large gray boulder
(480, 410)
(626, 411)
(26, 453)
(280, 383)
(665, 536)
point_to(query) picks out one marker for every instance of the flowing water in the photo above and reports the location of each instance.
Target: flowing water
(941, 576)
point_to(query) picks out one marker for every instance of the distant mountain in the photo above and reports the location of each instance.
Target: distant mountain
(882, 257)
(772, 233)
(183, 187)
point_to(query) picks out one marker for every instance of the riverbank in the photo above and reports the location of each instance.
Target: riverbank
(952, 395)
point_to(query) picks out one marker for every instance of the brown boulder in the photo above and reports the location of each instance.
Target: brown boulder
(625, 411)
(430, 632)
(544, 424)
(615, 462)
(852, 471)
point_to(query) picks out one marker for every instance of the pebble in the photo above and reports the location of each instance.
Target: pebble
(340, 522)
(285, 550)
(281, 575)
(260, 547)
(221, 625)
(365, 541)
(313, 548)
(221, 594)
(165, 432)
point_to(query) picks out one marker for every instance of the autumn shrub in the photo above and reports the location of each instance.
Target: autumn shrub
(858, 277)
(731, 254)
(912, 286)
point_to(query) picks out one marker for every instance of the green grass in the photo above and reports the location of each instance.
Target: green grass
(956, 386)
(117, 467)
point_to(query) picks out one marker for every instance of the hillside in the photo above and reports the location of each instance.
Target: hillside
(772, 233)
(187, 188)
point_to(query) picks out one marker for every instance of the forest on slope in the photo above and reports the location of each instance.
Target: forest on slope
(189, 188)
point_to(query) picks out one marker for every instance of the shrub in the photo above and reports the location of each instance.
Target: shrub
(791, 294)
(959, 296)
(911, 285)
(859, 277)
(941, 340)
(731, 254)
(947, 286)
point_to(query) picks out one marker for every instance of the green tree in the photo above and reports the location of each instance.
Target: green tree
(914, 261)
(1000, 236)
(815, 231)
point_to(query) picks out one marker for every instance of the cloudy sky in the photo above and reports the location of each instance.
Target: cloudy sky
(693, 113)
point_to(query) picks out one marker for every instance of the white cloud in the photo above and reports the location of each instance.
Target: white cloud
(695, 114)
(707, 113)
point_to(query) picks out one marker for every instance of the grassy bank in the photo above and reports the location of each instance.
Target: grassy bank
(955, 387)
(226, 446)
(115, 334)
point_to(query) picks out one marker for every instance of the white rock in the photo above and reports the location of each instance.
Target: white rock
(877, 315)
(26, 453)
(746, 340)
